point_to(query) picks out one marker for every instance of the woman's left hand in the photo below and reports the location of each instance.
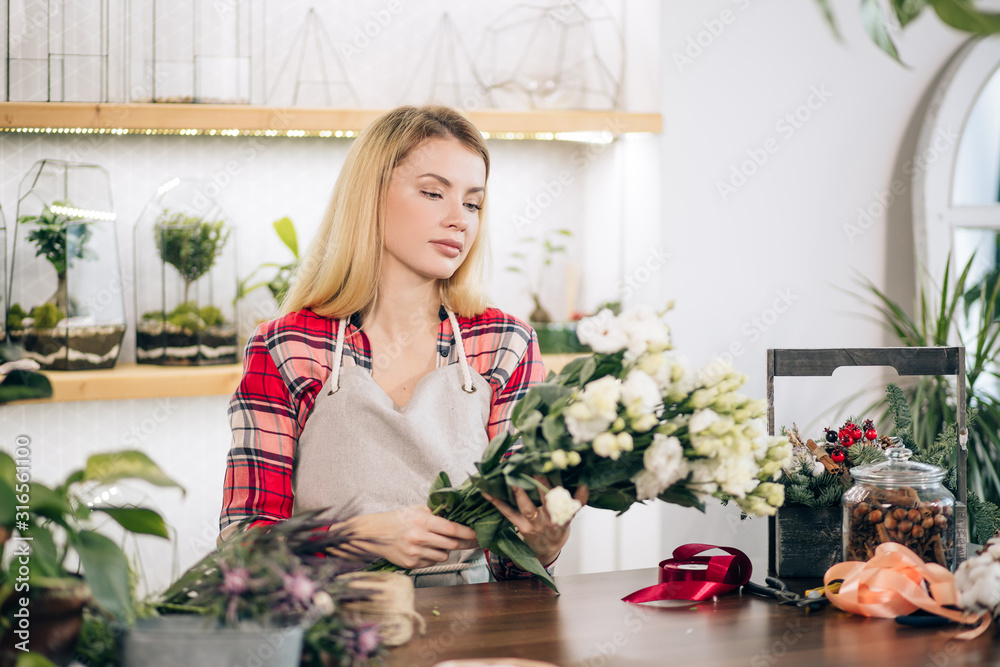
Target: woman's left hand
(545, 538)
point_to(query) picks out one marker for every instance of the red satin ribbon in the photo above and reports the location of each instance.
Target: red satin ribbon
(722, 575)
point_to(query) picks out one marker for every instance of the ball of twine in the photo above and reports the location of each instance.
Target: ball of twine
(389, 605)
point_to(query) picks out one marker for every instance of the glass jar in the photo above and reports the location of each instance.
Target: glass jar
(902, 501)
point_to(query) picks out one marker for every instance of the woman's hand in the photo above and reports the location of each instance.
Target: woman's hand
(411, 537)
(545, 538)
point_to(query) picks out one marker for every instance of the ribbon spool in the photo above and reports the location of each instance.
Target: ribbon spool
(688, 576)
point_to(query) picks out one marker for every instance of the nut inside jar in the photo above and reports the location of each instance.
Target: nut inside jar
(900, 516)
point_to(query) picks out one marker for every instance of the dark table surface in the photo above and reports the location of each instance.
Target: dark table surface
(588, 625)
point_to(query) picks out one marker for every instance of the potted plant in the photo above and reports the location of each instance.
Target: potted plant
(553, 337)
(61, 333)
(189, 333)
(270, 587)
(938, 319)
(59, 562)
(278, 284)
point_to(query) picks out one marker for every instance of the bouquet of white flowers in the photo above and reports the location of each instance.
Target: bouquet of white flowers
(632, 423)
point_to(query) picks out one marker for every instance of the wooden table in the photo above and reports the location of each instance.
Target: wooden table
(589, 626)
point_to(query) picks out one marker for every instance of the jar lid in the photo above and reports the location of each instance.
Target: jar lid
(897, 469)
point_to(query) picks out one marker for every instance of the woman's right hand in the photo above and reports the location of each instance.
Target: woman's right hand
(412, 537)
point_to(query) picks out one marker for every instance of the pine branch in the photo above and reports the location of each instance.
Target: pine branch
(860, 455)
(899, 408)
(984, 518)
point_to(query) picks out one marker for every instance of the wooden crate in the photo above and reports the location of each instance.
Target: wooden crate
(807, 541)
(790, 538)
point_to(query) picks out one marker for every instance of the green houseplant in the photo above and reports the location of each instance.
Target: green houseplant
(959, 14)
(278, 284)
(938, 319)
(190, 332)
(61, 239)
(59, 562)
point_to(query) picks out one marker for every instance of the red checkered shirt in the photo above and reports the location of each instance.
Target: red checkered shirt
(286, 363)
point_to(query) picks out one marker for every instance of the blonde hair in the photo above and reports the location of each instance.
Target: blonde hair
(339, 273)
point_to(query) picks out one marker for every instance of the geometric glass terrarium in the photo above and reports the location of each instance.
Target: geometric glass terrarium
(66, 307)
(185, 283)
(3, 278)
(190, 51)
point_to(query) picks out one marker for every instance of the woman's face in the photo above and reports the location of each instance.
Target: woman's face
(432, 209)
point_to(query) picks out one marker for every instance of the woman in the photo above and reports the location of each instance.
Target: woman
(361, 393)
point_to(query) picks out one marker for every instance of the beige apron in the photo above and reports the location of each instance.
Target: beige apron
(359, 453)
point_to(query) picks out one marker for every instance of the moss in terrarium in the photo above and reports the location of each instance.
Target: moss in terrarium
(47, 315)
(189, 316)
(15, 316)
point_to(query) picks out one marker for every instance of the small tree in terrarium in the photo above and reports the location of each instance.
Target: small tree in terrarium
(65, 231)
(553, 337)
(188, 325)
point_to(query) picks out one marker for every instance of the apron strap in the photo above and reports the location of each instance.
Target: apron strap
(467, 386)
(338, 354)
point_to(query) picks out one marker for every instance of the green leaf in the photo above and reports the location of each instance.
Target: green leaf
(286, 232)
(907, 10)
(488, 527)
(874, 22)
(508, 544)
(611, 499)
(678, 494)
(137, 520)
(529, 421)
(824, 5)
(105, 569)
(129, 464)
(49, 504)
(588, 369)
(963, 15)
(23, 386)
(552, 428)
(495, 450)
(44, 554)
(524, 406)
(32, 659)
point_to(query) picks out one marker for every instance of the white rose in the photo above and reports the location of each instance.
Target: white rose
(602, 333)
(323, 603)
(560, 459)
(737, 476)
(644, 331)
(602, 396)
(639, 394)
(644, 423)
(560, 505)
(663, 465)
(707, 445)
(606, 445)
(701, 420)
(703, 477)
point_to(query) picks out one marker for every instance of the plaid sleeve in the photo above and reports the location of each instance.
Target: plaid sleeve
(263, 418)
(522, 366)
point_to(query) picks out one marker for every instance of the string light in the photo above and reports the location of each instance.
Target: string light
(83, 213)
(597, 137)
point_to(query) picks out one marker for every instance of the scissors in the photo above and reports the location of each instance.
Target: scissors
(778, 590)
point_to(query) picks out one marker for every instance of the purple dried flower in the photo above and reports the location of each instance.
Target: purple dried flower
(235, 581)
(366, 642)
(299, 588)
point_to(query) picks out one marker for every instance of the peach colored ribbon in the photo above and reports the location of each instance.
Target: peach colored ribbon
(891, 585)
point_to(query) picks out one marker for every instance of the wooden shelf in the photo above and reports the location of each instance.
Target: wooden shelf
(235, 120)
(149, 381)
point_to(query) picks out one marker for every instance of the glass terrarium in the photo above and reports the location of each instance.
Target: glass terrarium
(185, 287)
(3, 277)
(190, 51)
(66, 307)
(57, 51)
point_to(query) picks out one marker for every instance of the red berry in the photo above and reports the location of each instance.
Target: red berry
(846, 440)
(856, 433)
(871, 434)
(838, 455)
